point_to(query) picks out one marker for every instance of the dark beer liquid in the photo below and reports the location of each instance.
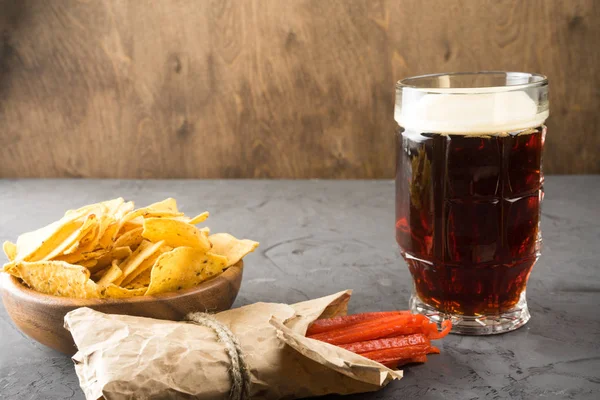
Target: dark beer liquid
(467, 216)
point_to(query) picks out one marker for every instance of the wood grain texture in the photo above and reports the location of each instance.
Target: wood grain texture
(41, 316)
(249, 88)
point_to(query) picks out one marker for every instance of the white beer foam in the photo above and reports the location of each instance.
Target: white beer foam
(468, 112)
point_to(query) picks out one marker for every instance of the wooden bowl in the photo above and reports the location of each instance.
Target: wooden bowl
(41, 316)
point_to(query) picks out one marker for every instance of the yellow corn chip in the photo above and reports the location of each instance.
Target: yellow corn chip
(123, 209)
(118, 253)
(112, 274)
(72, 244)
(90, 240)
(96, 276)
(10, 249)
(89, 264)
(199, 218)
(34, 246)
(116, 292)
(165, 208)
(96, 208)
(147, 264)
(182, 268)
(134, 261)
(57, 278)
(142, 280)
(106, 240)
(130, 239)
(228, 246)
(78, 257)
(131, 225)
(110, 233)
(174, 233)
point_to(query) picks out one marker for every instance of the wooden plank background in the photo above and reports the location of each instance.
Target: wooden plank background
(268, 88)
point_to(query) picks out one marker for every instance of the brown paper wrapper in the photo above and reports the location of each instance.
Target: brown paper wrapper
(125, 357)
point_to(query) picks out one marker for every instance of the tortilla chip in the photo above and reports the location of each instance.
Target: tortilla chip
(165, 208)
(142, 280)
(118, 253)
(182, 268)
(147, 264)
(34, 246)
(98, 274)
(96, 208)
(112, 274)
(106, 240)
(130, 239)
(123, 209)
(131, 225)
(199, 218)
(135, 260)
(78, 238)
(174, 233)
(56, 278)
(89, 264)
(116, 292)
(90, 240)
(10, 249)
(78, 257)
(228, 246)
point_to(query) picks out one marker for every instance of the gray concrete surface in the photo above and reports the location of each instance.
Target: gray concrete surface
(318, 237)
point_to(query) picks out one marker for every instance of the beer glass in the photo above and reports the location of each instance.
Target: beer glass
(469, 187)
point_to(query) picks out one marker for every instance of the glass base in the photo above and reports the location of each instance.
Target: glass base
(485, 324)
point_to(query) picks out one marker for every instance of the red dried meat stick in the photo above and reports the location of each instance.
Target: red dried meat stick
(428, 328)
(328, 324)
(396, 353)
(375, 329)
(446, 328)
(398, 363)
(387, 343)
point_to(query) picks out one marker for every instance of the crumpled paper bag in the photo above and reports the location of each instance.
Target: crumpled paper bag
(125, 357)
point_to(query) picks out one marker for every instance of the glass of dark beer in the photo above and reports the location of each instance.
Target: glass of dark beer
(469, 186)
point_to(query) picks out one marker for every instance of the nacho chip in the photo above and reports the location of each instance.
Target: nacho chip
(199, 218)
(118, 253)
(57, 278)
(147, 264)
(78, 257)
(182, 268)
(96, 208)
(142, 280)
(34, 246)
(77, 239)
(112, 274)
(123, 209)
(131, 225)
(116, 292)
(130, 239)
(96, 276)
(228, 246)
(106, 239)
(89, 264)
(174, 233)
(135, 260)
(165, 208)
(90, 241)
(10, 249)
